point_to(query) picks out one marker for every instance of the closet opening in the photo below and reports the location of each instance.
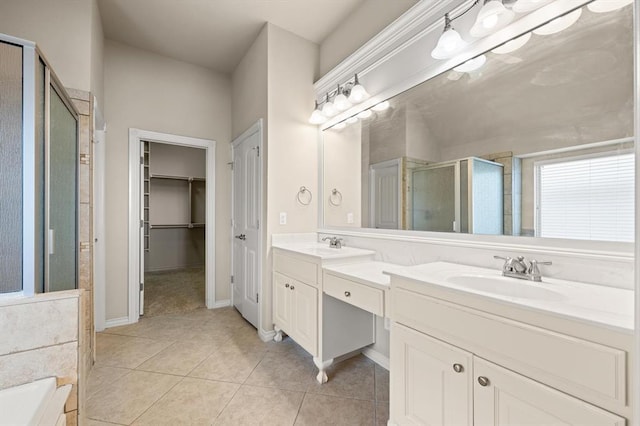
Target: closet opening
(171, 226)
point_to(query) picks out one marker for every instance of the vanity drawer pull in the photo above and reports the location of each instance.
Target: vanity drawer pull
(287, 285)
(347, 294)
(483, 381)
(458, 368)
(292, 288)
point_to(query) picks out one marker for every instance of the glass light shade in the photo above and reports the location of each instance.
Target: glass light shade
(472, 64)
(341, 103)
(352, 120)
(382, 106)
(317, 117)
(328, 109)
(491, 18)
(559, 24)
(448, 45)
(523, 6)
(365, 114)
(358, 94)
(601, 6)
(513, 45)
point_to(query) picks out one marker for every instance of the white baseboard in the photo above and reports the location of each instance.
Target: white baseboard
(266, 336)
(116, 322)
(377, 357)
(221, 304)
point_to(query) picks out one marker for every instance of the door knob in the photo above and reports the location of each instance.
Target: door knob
(458, 368)
(483, 381)
(241, 237)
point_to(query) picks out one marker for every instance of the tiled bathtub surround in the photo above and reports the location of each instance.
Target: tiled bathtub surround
(38, 339)
(209, 367)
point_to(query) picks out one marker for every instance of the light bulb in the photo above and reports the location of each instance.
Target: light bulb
(352, 120)
(358, 93)
(491, 17)
(523, 6)
(513, 45)
(472, 64)
(559, 24)
(382, 106)
(601, 6)
(328, 109)
(317, 117)
(340, 101)
(365, 114)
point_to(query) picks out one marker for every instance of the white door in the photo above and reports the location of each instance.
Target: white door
(430, 380)
(385, 181)
(247, 187)
(502, 397)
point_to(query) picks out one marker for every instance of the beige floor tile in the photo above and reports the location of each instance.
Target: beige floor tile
(351, 378)
(190, 402)
(126, 351)
(228, 317)
(179, 358)
(103, 376)
(126, 399)
(287, 345)
(261, 406)
(382, 413)
(160, 328)
(331, 410)
(382, 384)
(229, 365)
(91, 422)
(284, 370)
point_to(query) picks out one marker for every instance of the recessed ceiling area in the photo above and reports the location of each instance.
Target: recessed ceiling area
(215, 33)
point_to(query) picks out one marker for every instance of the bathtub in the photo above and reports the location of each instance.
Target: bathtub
(37, 403)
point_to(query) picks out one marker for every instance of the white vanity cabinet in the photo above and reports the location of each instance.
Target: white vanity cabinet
(459, 359)
(295, 309)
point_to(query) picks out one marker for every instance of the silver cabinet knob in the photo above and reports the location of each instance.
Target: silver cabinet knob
(458, 368)
(287, 285)
(483, 381)
(347, 294)
(292, 288)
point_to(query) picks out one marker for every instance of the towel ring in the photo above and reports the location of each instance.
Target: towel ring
(335, 199)
(301, 193)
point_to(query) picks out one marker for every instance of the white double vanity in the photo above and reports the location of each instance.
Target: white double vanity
(468, 346)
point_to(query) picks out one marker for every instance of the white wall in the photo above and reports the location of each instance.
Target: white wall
(357, 28)
(97, 55)
(153, 92)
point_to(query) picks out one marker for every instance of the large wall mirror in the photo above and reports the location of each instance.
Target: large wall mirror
(536, 141)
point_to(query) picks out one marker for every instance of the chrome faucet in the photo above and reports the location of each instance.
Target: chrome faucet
(519, 268)
(334, 242)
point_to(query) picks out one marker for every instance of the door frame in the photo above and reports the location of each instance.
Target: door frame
(136, 136)
(257, 127)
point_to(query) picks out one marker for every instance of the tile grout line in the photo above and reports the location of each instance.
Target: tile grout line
(156, 401)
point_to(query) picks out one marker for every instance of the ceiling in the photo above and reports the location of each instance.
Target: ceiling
(215, 33)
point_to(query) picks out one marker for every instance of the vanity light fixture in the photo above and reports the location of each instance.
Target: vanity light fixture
(328, 109)
(382, 106)
(513, 45)
(472, 64)
(352, 120)
(365, 114)
(523, 6)
(317, 117)
(601, 6)
(340, 101)
(559, 24)
(341, 125)
(449, 42)
(492, 17)
(358, 92)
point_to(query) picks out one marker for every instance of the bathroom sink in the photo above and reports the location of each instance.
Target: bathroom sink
(505, 286)
(321, 251)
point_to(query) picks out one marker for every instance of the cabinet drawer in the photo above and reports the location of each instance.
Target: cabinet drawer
(364, 297)
(585, 369)
(296, 268)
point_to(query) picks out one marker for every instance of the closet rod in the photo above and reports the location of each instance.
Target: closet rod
(179, 225)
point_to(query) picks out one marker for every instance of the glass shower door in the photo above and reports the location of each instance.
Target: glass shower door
(62, 196)
(434, 198)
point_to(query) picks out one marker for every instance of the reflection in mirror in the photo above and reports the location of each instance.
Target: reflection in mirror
(537, 141)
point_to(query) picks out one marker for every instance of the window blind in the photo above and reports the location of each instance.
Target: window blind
(587, 198)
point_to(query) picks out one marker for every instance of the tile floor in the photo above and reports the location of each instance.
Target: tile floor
(208, 367)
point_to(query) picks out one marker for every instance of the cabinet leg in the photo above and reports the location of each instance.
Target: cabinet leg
(322, 367)
(278, 336)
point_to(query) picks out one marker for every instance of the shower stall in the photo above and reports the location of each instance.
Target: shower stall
(38, 174)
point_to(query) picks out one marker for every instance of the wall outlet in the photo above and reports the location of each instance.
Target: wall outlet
(349, 217)
(283, 218)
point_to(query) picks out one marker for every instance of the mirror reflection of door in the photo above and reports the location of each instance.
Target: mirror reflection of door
(385, 194)
(434, 201)
(246, 225)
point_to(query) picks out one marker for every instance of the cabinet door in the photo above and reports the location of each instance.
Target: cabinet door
(506, 398)
(282, 301)
(431, 381)
(305, 316)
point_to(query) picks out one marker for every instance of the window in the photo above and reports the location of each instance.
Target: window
(587, 198)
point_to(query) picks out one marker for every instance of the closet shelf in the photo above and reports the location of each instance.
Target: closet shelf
(171, 177)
